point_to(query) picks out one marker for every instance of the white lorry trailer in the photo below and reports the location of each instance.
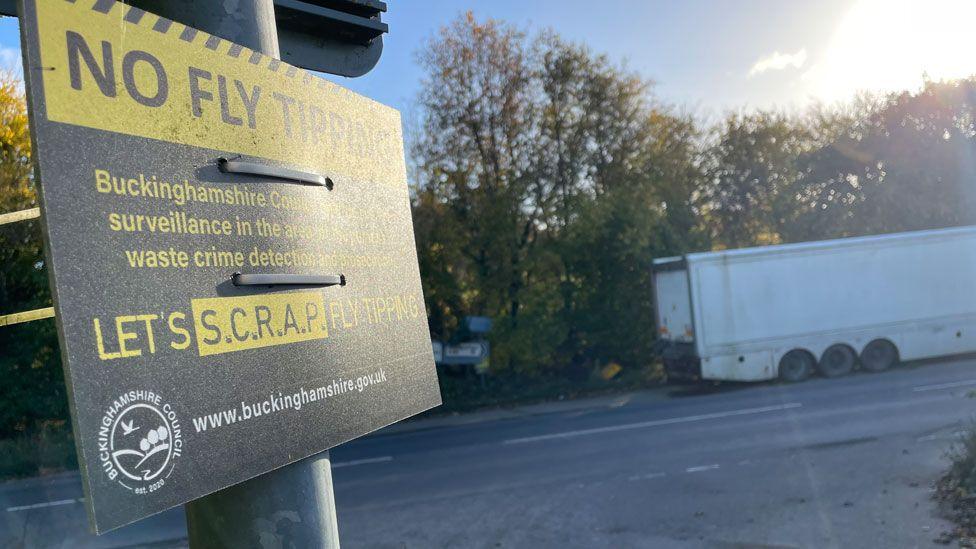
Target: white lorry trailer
(791, 310)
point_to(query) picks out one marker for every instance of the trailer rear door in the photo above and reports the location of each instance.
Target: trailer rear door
(673, 300)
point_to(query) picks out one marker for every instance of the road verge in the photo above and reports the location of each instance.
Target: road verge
(955, 492)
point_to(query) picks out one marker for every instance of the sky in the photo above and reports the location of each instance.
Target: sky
(717, 55)
(706, 56)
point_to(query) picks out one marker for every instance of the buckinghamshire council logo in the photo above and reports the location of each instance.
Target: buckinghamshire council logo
(139, 441)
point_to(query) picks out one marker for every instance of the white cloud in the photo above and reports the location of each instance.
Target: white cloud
(10, 60)
(777, 61)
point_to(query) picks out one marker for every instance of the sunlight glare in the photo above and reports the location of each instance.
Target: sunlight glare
(888, 45)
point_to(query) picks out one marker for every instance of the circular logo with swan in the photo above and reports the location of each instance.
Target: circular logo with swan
(139, 441)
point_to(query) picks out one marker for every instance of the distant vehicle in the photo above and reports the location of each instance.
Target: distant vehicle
(793, 310)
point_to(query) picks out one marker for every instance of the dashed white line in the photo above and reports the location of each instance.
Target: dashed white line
(653, 423)
(44, 504)
(648, 476)
(366, 461)
(936, 387)
(701, 468)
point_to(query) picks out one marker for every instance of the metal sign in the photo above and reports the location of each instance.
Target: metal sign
(472, 352)
(478, 324)
(438, 348)
(231, 252)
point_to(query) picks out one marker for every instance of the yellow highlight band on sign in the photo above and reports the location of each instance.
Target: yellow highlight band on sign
(110, 66)
(230, 324)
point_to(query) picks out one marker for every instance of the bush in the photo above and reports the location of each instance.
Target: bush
(956, 491)
(963, 458)
(50, 450)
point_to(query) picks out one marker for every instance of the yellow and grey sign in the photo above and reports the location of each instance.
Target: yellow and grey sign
(181, 381)
(135, 73)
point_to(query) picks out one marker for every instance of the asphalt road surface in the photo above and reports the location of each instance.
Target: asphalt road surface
(844, 462)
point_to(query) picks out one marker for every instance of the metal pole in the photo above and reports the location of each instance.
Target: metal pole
(250, 23)
(291, 507)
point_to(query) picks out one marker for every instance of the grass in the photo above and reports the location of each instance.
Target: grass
(956, 491)
(963, 459)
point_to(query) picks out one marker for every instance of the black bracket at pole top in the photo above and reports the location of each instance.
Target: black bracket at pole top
(348, 20)
(342, 37)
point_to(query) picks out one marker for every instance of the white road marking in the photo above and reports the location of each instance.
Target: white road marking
(922, 388)
(701, 468)
(653, 423)
(942, 436)
(44, 504)
(355, 462)
(646, 477)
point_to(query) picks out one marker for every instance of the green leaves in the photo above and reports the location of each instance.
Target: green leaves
(549, 177)
(32, 394)
(880, 164)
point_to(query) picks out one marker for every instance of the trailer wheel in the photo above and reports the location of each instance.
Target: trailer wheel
(838, 360)
(796, 366)
(879, 355)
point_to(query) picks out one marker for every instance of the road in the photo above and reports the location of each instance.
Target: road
(843, 462)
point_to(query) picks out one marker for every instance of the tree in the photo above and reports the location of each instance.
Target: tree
(33, 389)
(751, 192)
(476, 154)
(906, 163)
(548, 177)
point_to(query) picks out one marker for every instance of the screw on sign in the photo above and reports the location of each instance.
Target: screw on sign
(160, 147)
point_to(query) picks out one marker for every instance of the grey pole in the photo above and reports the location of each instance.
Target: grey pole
(291, 507)
(250, 23)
